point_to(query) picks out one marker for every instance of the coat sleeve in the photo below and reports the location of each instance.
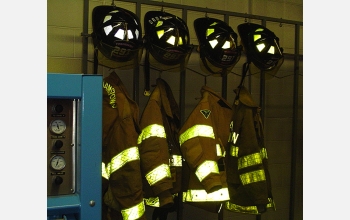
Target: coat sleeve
(121, 161)
(251, 157)
(199, 147)
(154, 149)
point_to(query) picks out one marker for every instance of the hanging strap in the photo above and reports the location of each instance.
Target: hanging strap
(204, 61)
(169, 134)
(147, 90)
(244, 73)
(95, 60)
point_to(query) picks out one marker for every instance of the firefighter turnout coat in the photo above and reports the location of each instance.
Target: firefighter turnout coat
(202, 139)
(247, 169)
(161, 159)
(121, 175)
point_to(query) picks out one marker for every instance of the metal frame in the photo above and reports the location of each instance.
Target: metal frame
(185, 8)
(86, 202)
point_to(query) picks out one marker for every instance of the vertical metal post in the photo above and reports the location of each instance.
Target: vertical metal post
(183, 81)
(85, 36)
(136, 85)
(224, 84)
(224, 95)
(295, 122)
(262, 88)
(182, 121)
(224, 71)
(182, 113)
(262, 95)
(136, 81)
(262, 98)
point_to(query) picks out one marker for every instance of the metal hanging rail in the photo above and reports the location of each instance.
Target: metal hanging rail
(214, 11)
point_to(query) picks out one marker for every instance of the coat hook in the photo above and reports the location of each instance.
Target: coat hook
(281, 23)
(245, 18)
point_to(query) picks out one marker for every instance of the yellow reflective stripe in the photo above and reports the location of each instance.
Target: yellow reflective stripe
(152, 201)
(160, 33)
(271, 204)
(242, 209)
(209, 31)
(153, 130)
(234, 151)
(159, 23)
(200, 195)
(197, 131)
(253, 177)
(248, 209)
(104, 172)
(249, 160)
(219, 151)
(206, 168)
(175, 161)
(158, 173)
(134, 212)
(124, 157)
(263, 153)
(120, 160)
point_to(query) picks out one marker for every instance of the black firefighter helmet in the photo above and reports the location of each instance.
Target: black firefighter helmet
(261, 46)
(166, 37)
(167, 44)
(117, 34)
(217, 45)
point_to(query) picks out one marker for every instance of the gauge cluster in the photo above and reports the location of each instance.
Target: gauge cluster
(60, 146)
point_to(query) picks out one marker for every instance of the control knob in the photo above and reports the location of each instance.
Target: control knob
(58, 180)
(58, 144)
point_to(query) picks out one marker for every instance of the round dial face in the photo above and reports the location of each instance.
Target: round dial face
(57, 162)
(58, 126)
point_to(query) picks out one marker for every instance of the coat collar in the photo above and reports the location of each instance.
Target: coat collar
(245, 97)
(118, 82)
(212, 92)
(163, 94)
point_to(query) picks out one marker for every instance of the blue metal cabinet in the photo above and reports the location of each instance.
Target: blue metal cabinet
(84, 201)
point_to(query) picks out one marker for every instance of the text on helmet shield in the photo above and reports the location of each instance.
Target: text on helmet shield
(117, 51)
(157, 18)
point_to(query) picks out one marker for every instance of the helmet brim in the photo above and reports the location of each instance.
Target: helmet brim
(114, 64)
(217, 58)
(269, 74)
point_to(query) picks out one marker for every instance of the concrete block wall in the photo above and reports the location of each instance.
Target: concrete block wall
(65, 52)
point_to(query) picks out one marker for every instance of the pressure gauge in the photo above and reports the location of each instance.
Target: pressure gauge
(58, 126)
(57, 162)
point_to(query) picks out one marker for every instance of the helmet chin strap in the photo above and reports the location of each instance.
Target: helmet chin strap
(147, 90)
(205, 63)
(244, 73)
